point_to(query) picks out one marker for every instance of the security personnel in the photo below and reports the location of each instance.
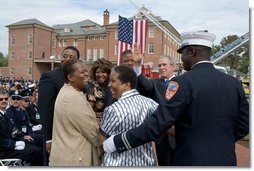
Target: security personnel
(32, 109)
(10, 147)
(208, 108)
(18, 122)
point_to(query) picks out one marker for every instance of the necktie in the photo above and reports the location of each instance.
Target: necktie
(166, 82)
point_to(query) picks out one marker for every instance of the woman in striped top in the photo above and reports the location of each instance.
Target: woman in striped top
(128, 112)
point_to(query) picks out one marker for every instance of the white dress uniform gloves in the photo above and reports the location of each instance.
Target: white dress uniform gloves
(108, 145)
(37, 127)
(20, 145)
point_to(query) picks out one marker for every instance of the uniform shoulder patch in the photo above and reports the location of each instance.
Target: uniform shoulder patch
(171, 89)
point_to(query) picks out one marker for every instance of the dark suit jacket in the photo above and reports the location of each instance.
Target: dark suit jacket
(155, 89)
(6, 141)
(50, 84)
(210, 112)
(152, 88)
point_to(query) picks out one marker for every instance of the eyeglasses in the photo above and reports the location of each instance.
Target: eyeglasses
(15, 98)
(6, 98)
(27, 101)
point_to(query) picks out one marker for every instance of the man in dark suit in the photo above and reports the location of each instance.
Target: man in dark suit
(208, 108)
(50, 84)
(155, 89)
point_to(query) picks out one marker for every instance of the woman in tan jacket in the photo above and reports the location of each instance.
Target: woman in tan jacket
(75, 130)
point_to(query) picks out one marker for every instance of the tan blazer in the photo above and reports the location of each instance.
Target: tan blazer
(75, 130)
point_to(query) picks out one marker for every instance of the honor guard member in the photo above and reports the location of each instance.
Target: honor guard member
(9, 146)
(208, 108)
(32, 109)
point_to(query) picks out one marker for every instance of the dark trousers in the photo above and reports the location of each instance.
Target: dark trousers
(31, 154)
(164, 151)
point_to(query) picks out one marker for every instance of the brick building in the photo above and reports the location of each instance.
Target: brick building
(35, 47)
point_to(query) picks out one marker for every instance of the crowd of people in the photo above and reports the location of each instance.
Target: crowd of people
(115, 116)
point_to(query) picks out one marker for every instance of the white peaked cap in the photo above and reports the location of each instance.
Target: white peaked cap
(202, 38)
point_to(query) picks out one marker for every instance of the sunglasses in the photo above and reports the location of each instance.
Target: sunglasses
(6, 98)
(15, 98)
(27, 101)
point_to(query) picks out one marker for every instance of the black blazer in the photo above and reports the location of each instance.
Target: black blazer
(152, 88)
(50, 84)
(210, 113)
(6, 141)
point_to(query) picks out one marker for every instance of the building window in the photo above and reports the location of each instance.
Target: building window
(75, 42)
(170, 52)
(101, 37)
(30, 55)
(54, 43)
(116, 35)
(151, 32)
(150, 48)
(64, 43)
(101, 53)
(95, 38)
(165, 49)
(12, 40)
(30, 71)
(30, 39)
(116, 49)
(88, 55)
(11, 71)
(12, 55)
(95, 53)
(90, 38)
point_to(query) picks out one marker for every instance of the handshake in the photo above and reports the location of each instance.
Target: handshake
(20, 145)
(37, 127)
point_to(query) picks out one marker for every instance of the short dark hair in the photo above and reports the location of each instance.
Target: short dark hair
(74, 49)
(126, 74)
(69, 68)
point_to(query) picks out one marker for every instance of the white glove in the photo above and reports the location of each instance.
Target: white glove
(37, 127)
(20, 145)
(109, 145)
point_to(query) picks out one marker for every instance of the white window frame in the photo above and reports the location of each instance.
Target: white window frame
(64, 43)
(30, 55)
(75, 42)
(151, 32)
(89, 54)
(12, 55)
(29, 71)
(116, 49)
(12, 40)
(151, 48)
(101, 53)
(95, 54)
(11, 71)
(30, 38)
(116, 34)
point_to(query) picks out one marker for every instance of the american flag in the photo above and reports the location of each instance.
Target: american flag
(131, 32)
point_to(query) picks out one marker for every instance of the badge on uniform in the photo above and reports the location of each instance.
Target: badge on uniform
(171, 90)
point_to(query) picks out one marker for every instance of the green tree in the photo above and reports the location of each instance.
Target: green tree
(239, 59)
(3, 60)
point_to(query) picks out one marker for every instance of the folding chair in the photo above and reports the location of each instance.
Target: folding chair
(11, 162)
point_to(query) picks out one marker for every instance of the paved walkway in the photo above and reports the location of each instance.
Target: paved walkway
(243, 156)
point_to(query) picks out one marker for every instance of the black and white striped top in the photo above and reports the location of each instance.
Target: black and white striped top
(127, 113)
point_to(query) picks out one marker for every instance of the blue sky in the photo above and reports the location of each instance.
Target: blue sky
(221, 17)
